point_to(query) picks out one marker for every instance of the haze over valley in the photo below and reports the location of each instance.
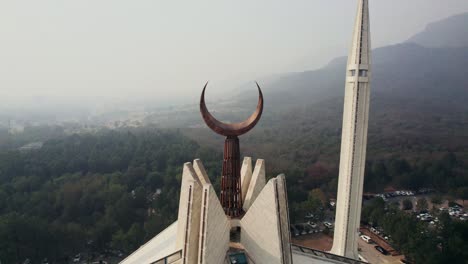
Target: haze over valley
(98, 116)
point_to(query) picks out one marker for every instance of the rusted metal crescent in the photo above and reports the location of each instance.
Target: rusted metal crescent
(234, 129)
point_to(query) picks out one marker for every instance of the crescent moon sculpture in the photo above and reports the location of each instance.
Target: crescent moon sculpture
(231, 190)
(235, 129)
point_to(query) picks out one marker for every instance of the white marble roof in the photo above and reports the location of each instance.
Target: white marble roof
(160, 246)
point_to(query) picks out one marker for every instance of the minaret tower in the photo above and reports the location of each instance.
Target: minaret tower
(354, 138)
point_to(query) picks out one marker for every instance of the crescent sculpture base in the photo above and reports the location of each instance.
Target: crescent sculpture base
(202, 232)
(231, 192)
(231, 186)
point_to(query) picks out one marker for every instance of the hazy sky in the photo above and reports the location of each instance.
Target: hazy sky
(164, 49)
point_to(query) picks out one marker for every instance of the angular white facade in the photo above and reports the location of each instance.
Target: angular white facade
(256, 184)
(214, 229)
(201, 235)
(265, 227)
(246, 176)
(354, 138)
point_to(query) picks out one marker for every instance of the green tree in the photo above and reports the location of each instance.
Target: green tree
(436, 200)
(421, 204)
(407, 204)
(374, 211)
(315, 203)
(462, 192)
(135, 235)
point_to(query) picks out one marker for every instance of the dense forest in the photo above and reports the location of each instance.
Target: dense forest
(115, 189)
(411, 145)
(418, 130)
(112, 190)
(445, 242)
(92, 193)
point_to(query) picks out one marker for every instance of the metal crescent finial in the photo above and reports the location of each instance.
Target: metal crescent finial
(234, 129)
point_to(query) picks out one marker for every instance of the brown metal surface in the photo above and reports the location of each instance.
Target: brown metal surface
(231, 191)
(235, 129)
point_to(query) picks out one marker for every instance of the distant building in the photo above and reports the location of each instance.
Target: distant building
(31, 146)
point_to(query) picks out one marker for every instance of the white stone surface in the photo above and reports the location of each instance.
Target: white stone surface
(299, 258)
(201, 172)
(203, 228)
(263, 231)
(256, 184)
(246, 176)
(214, 229)
(354, 138)
(283, 214)
(188, 176)
(160, 246)
(188, 228)
(192, 228)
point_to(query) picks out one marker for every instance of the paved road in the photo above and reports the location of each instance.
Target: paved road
(373, 256)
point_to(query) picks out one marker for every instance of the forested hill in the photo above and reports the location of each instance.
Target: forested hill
(418, 120)
(431, 65)
(449, 32)
(403, 70)
(413, 70)
(91, 193)
(418, 108)
(116, 189)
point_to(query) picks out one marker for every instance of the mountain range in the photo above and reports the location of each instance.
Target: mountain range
(450, 32)
(430, 66)
(418, 106)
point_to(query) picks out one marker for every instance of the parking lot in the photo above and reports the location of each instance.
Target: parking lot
(373, 256)
(317, 241)
(324, 242)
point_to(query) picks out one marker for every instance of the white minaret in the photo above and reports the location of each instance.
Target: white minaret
(353, 138)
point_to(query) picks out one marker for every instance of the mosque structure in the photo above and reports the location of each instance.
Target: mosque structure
(249, 222)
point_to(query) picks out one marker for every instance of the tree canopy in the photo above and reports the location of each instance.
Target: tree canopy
(92, 192)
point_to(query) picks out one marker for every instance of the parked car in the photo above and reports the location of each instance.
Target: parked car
(328, 224)
(374, 230)
(366, 238)
(301, 229)
(312, 224)
(381, 250)
(77, 258)
(118, 253)
(294, 230)
(309, 215)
